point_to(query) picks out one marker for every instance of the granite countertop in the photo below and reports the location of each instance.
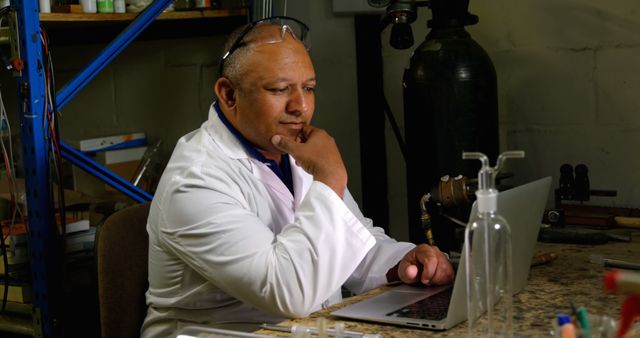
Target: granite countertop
(550, 290)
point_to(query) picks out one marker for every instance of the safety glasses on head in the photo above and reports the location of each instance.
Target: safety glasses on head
(250, 36)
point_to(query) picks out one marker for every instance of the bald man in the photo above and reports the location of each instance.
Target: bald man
(252, 220)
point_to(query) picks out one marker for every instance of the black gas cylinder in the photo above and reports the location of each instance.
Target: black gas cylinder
(450, 103)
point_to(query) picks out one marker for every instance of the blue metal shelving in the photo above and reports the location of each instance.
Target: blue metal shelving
(44, 240)
(45, 247)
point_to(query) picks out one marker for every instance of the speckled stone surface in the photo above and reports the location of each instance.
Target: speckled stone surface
(550, 290)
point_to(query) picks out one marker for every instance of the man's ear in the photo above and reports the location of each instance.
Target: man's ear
(226, 93)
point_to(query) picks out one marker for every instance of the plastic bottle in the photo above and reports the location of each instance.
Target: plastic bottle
(45, 6)
(119, 6)
(104, 6)
(488, 257)
(89, 6)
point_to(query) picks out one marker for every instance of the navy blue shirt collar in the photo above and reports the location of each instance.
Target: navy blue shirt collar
(283, 171)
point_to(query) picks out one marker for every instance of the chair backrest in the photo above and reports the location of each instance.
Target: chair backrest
(123, 272)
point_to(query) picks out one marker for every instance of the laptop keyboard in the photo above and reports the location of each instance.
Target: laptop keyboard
(434, 307)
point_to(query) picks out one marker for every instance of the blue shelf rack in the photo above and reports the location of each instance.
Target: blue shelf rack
(45, 245)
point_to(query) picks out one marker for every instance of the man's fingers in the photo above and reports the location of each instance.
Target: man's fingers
(428, 257)
(444, 273)
(425, 264)
(430, 263)
(411, 274)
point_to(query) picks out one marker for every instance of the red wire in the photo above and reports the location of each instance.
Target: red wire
(49, 111)
(51, 116)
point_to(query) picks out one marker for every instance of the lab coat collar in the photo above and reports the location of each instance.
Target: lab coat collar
(283, 171)
(250, 149)
(301, 183)
(223, 137)
(233, 148)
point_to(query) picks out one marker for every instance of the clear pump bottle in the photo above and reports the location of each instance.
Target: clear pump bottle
(488, 257)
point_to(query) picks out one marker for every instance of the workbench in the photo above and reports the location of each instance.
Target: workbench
(550, 290)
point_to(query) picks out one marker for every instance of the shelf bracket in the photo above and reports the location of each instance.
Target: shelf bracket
(94, 168)
(142, 21)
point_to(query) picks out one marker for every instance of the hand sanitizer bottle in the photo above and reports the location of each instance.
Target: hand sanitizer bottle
(487, 246)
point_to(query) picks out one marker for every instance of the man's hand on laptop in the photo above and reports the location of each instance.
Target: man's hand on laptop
(425, 264)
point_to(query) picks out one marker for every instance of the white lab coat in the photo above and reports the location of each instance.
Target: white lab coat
(229, 245)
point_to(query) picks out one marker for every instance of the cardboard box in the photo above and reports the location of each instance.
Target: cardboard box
(126, 170)
(122, 162)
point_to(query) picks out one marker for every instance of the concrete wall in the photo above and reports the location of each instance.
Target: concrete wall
(334, 55)
(569, 81)
(568, 78)
(165, 87)
(568, 89)
(162, 87)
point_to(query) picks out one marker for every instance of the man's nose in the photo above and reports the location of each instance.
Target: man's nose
(298, 103)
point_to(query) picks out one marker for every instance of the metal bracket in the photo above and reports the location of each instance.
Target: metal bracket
(142, 21)
(94, 168)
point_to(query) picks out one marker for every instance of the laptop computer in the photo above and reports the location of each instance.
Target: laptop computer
(442, 307)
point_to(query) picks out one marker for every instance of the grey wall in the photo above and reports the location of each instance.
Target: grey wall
(569, 84)
(165, 87)
(333, 53)
(568, 89)
(162, 87)
(568, 78)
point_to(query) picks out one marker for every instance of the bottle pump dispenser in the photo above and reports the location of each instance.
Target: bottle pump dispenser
(488, 257)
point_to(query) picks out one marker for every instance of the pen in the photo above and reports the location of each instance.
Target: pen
(330, 332)
(583, 319)
(574, 312)
(614, 263)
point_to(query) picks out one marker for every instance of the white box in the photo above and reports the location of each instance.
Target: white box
(110, 142)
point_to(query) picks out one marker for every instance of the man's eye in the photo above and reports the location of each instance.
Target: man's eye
(278, 89)
(310, 89)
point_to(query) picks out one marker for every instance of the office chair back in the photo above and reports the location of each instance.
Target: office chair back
(123, 272)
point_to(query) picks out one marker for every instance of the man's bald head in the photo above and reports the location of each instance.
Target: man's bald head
(262, 33)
